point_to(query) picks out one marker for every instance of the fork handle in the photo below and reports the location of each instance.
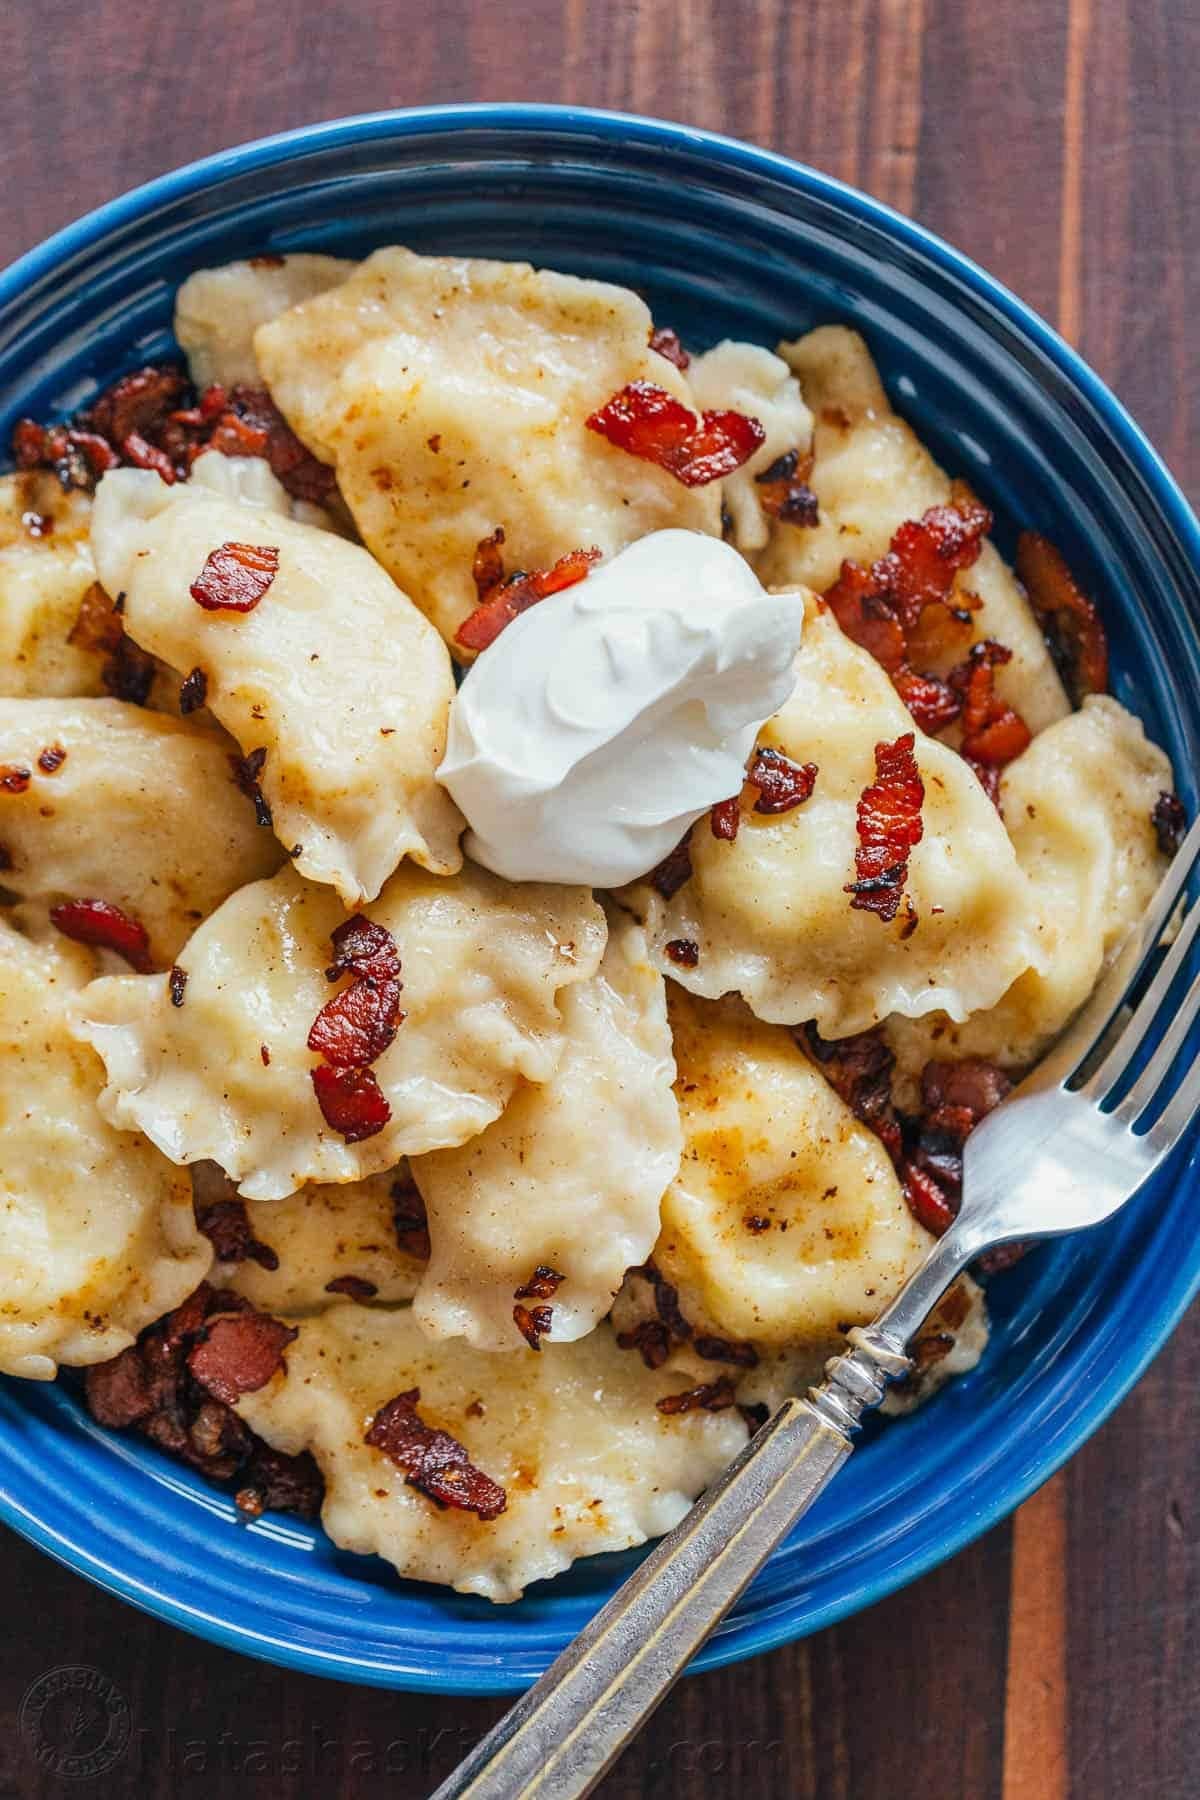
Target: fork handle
(561, 1737)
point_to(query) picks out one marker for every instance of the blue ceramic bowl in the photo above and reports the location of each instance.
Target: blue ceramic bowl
(722, 239)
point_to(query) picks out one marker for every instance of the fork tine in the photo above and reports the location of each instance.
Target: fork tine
(1089, 1027)
(1146, 1012)
(1178, 1115)
(1159, 1067)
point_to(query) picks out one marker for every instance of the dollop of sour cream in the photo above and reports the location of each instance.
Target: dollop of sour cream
(604, 721)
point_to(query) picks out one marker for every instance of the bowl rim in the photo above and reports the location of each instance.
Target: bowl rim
(1010, 1487)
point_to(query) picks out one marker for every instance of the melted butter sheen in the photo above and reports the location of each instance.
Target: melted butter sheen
(606, 720)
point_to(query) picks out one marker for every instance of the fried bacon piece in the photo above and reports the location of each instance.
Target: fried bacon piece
(506, 598)
(362, 948)
(177, 982)
(150, 1388)
(786, 494)
(889, 827)
(1069, 620)
(104, 925)
(665, 342)
(993, 732)
(410, 1221)
(649, 423)
(882, 606)
(533, 1322)
(235, 577)
(543, 1284)
(15, 778)
(954, 1097)
(432, 1461)
(226, 1225)
(98, 622)
(351, 1101)
(674, 869)
(859, 1069)
(710, 1396)
(238, 1353)
(724, 819)
(684, 952)
(148, 419)
(1169, 821)
(725, 1350)
(357, 1025)
(782, 784)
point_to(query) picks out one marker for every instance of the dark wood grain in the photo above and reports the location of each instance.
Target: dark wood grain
(1055, 140)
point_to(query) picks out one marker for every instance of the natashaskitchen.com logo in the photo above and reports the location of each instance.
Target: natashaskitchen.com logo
(75, 1722)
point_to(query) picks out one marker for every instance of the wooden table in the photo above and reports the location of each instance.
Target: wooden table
(1057, 142)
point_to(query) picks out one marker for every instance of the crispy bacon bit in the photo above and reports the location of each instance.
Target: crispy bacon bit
(193, 692)
(724, 819)
(488, 566)
(665, 342)
(351, 1101)
(508, 598)
(274, 1482)
(889, 826)
(148, 1387)
(51, 760)
(859, 1069)
(1169, 821)
(1069, 620)
(710, 1396)
(651, 1338)
(177, 983)
(354, 1286)
(881, 607)
(137, 405)
(432, 1461)
(246, 771)
(543, 1284)
(931, 702)
(226, 1225)
(99, 922)
(725, 1350)
(927, 1202)
(685, 952)
(361, 947)
(993, 733)
(674, 869)
(786, 494)
(148, 456)
(357, 1025)
(954, 1097)
(252, 409)
(36, 524)
(533, 1322)
(651, 424)
(782, 784)
(77, 457)
(235, 577)
(409, 1219)
(239, 1353)
(14, 778)
(264, 1056)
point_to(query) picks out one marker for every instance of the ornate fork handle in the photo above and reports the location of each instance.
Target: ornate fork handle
(559, 1739)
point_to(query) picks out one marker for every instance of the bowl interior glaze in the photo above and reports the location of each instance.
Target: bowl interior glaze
(721, 239)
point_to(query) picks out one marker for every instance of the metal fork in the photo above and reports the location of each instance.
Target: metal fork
(1064, 1151)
